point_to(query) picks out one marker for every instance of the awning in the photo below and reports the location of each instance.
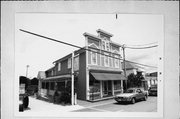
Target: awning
(108, 76)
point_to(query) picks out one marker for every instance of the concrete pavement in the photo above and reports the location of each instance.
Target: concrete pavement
(37, 107)
(40, 107)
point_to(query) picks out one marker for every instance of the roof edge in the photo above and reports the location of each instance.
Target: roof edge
(104, 32)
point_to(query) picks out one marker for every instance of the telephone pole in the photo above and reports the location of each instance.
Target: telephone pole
(72, 79)
(124, 62)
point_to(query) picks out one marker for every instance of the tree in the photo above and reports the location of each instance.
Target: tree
(24, 80)
(131, 80)
(139, 78)
(34, 81)
(135, 80)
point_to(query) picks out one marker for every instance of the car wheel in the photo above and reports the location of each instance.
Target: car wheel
(133, 100)
(21, 108)
(145, 98)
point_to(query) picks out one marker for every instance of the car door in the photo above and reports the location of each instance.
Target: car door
(141, 94)
(137, 94)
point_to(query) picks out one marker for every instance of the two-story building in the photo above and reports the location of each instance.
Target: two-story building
(97, 67)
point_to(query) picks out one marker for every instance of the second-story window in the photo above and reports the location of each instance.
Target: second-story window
(52, 72)
(106, 60)
(116, 62)
(107, 46)
(59, 66)
(94, 58)
(103, 45)
(69, 63)
(76, 63)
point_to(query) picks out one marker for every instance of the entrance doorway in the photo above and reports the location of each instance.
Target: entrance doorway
(107, 88)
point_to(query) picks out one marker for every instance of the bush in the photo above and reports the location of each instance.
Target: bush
(65, 97)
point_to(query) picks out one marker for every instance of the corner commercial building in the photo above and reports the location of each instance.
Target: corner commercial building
(98, 72)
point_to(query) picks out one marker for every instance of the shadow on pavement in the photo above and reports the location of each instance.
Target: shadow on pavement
(28, 108)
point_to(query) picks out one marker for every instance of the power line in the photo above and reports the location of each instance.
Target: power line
(141, 64)
(81, 47)
(142, 47)
(50, 38)
(144, 44)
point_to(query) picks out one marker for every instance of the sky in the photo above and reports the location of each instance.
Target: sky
(39, 53)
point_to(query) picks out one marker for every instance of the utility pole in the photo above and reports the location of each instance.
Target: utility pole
(124, 59)
(72, 80)
(27, 66)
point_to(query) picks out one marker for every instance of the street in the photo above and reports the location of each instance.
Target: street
(40, 106)
(112, 106)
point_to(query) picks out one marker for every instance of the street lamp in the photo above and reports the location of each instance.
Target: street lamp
(27, 66)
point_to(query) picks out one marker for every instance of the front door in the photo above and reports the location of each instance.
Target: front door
(107, 88)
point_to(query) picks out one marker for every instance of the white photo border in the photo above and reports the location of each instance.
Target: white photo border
(169, 57)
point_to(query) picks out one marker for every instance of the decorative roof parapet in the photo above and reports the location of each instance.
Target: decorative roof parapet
(90, 35)
(104, 32)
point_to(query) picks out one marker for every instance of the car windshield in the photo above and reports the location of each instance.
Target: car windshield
(130, 91)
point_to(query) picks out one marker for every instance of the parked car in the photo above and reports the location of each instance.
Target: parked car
(153, 90)
(131, 95)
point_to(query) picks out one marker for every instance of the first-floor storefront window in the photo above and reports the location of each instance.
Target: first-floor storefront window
(94, 88)
(117, 85)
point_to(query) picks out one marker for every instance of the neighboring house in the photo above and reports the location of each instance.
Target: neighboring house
(132, 68)
(151, 78)
(97, 76)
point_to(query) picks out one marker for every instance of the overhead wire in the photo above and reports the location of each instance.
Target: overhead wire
(141, 47)
(81, 47)
(144, 44)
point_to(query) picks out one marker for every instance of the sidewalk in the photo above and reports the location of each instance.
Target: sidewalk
(37, 107)
(92, 104)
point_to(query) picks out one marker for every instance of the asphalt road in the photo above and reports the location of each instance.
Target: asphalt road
(112, 106)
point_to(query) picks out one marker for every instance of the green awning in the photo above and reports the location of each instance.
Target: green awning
(108, 76)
